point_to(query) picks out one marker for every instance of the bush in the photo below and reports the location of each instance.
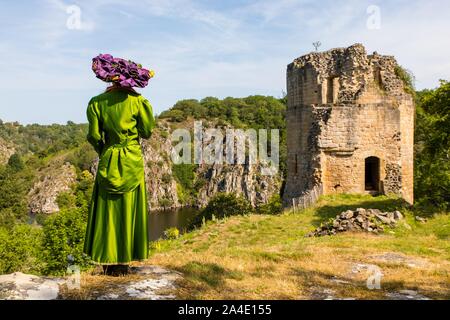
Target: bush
(222, 205)
(19, 249)
(274, 206)
(172, 233)
(80, 194)
(183, 197)
(7, 218)
(407, 78)
(63, 240)
(165, 202)
(185, 175)
(66, 200)
(82, 157)
(14, 187)
(15, 162)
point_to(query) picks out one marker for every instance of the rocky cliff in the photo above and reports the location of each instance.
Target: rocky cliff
(164, 189)
(55, 178)
(6, 151)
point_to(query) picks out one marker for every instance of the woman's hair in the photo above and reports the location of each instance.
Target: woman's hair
(116, 86)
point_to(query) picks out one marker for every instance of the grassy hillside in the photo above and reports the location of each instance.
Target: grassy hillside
(268, 257)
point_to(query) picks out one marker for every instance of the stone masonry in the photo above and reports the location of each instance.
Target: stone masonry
(350, 126)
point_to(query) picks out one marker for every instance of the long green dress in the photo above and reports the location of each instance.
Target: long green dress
(117, 229)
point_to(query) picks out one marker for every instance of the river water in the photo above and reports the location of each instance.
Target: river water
(159, 221)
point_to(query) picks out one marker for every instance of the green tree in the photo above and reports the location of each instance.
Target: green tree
(432, 159)
(222, 205)
(14, 187)
(15, 162)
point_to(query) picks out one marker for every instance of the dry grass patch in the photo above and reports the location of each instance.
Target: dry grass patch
(268, 257)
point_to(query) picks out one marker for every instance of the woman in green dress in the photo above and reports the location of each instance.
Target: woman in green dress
(117, 229)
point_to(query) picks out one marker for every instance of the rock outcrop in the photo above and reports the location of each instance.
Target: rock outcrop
(243, 179)
(369, 220)
(54, 179)
(6, 151)
(161, 184)
(20, 286)
(148, 282)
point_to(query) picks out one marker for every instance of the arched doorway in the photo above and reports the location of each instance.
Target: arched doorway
(372, 174)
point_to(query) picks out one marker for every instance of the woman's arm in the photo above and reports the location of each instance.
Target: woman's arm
(145, 120)
(94, 134)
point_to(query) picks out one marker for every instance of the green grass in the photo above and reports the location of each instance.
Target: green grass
(269, 257)
(274, 259)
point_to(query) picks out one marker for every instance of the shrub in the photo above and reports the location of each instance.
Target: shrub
(15, 162)
(172, 233)
(7, 218)
(183, 197)
(155, 245)
(165, 202)
(184, 174)
(82, 157)
(66, 200)
(80, 194)
(407, 78)
(274, 206)
(63, 240)
(222, 205)
(19, 249)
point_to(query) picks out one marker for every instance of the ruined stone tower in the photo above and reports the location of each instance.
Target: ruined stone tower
(350, 126)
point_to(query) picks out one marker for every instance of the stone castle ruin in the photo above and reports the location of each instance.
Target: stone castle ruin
(350, 126)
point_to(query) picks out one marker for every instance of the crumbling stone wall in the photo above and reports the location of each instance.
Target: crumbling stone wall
(345, 106)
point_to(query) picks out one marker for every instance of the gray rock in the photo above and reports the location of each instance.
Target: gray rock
(397, 215)
(406, 295)
(6, 151)
(347, 214)
(384, 219)
(420, 219)
(360, 219)
(57, 178)
(399, 258)
(20, 286)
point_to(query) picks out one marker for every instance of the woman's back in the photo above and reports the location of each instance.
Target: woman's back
(117, 116)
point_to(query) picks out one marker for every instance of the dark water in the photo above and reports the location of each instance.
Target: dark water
(159, 221)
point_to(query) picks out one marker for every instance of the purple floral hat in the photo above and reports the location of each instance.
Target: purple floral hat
(126, 73)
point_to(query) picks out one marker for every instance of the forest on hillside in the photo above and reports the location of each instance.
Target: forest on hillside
(45, 247)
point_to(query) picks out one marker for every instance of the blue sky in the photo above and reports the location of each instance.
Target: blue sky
(198, 48)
